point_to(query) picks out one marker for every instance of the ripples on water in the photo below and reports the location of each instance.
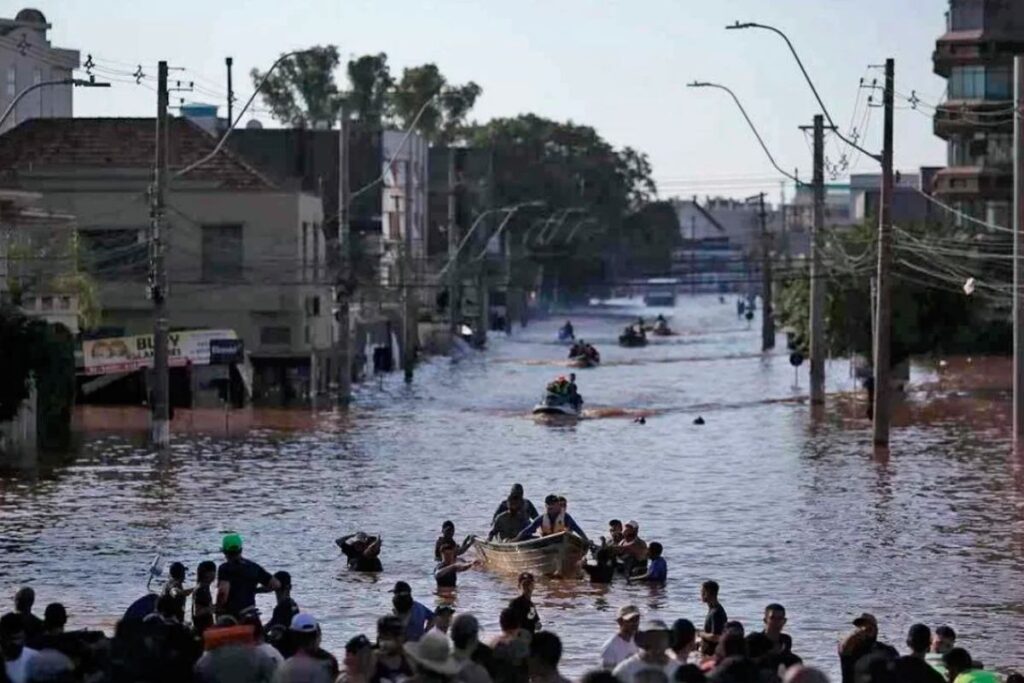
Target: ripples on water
(773, 505)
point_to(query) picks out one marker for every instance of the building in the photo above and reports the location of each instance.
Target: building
(242, 253)
(721, 241)
(27, 58)
(975, 56)
(404, 205)
(38, 259)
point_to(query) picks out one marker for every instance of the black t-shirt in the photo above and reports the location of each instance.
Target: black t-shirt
(359, 562)
(284, 610)
(244, 576)
(910, 669)
(785, 642)
(202, 598)
(449, 580)
(527, 612)
(714, 623)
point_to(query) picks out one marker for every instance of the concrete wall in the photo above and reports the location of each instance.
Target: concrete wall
(275, 285)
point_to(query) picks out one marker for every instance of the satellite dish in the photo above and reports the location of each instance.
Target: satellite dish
(253, 124)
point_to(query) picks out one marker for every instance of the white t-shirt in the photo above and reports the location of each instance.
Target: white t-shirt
(634, 665)
(616, 650)
(17, 670)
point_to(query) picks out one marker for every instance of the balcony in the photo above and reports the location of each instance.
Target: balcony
(962, 117)
(973, 182)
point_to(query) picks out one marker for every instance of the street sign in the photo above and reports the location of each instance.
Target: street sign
(225, 351)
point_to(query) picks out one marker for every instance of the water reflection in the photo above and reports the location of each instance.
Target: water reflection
(775, 505)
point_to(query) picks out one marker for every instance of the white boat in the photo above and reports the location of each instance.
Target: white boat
(556, 404)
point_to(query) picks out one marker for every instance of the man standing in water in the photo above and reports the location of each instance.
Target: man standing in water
(621, 646)
(714, 622)
(632, 549)
(239, 579)
(523, 605)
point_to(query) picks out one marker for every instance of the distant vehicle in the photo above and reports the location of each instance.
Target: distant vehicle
(661, 293)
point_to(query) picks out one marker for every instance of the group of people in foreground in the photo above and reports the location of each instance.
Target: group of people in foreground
(212, 631)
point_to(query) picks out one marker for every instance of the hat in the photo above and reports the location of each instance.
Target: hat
(864, 619)
(303, 622)
(652, 625)
(232, 543)
(401, 587)
(433, 653)
(633, 524)
(526, 576)
(628, 613)
(358, 537)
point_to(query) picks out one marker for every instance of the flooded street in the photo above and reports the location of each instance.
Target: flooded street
(774, 505)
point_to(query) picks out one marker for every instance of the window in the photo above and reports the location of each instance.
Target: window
(313, 306)
(222, 253)
(115, 255)
(316, 252)
(305, 251)
(967, 83)
(1000, 149)
(966, 15)
(999, 83)
(276, 336)
(12, 81)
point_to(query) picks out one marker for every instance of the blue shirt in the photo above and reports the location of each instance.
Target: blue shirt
(657, 570)
(419, 615)
(569, 522)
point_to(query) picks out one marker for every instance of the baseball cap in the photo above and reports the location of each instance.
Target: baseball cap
(303, 622)
(628, 613)
(401, 587)
(652, 625)
(633, 524)
(865, 618)
(232, 543)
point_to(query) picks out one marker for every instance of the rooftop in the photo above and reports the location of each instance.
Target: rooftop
(102, 143)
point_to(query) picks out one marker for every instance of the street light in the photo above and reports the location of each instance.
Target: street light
(505, 221)
(479, 219)
(705, 84)
(824, 110)
(76, 82)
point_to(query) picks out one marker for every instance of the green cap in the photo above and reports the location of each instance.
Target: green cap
(231, 543)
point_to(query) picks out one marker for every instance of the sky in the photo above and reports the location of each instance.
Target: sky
(620, 66)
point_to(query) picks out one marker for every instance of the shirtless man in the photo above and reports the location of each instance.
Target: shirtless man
(632, 549)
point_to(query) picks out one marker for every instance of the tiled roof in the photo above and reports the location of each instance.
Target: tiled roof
(92, 143)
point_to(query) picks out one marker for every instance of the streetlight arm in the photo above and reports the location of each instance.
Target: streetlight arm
(78, 82)
(700, 84)
(807, 77)
(561, 222)
(501, 228)
(232, 124)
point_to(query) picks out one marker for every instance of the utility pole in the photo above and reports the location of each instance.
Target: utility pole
(817, 312)
(160, 428)
(883, 326)
(231, 92)
(409, 314)
(1018, 253)
(344, 279)
(767, 313)
(454, 297)
(484, 312)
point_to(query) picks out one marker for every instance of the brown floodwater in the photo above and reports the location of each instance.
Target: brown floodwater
(775, 503)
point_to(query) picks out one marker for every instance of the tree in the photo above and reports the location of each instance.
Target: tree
(371, 85)
(448, 104)
(302, 91)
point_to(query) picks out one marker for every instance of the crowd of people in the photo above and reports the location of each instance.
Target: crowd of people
(212, 631)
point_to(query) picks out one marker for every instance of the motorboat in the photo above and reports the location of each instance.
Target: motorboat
(565, 334)
(661, 329)
(556, 405)
(632, 339)
(555, 555)
(583, 361)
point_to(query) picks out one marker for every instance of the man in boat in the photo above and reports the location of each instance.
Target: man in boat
(567, 330)
(509, 523)
(528, 506)
(574, 392)
(591, 353)
(555, 520)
